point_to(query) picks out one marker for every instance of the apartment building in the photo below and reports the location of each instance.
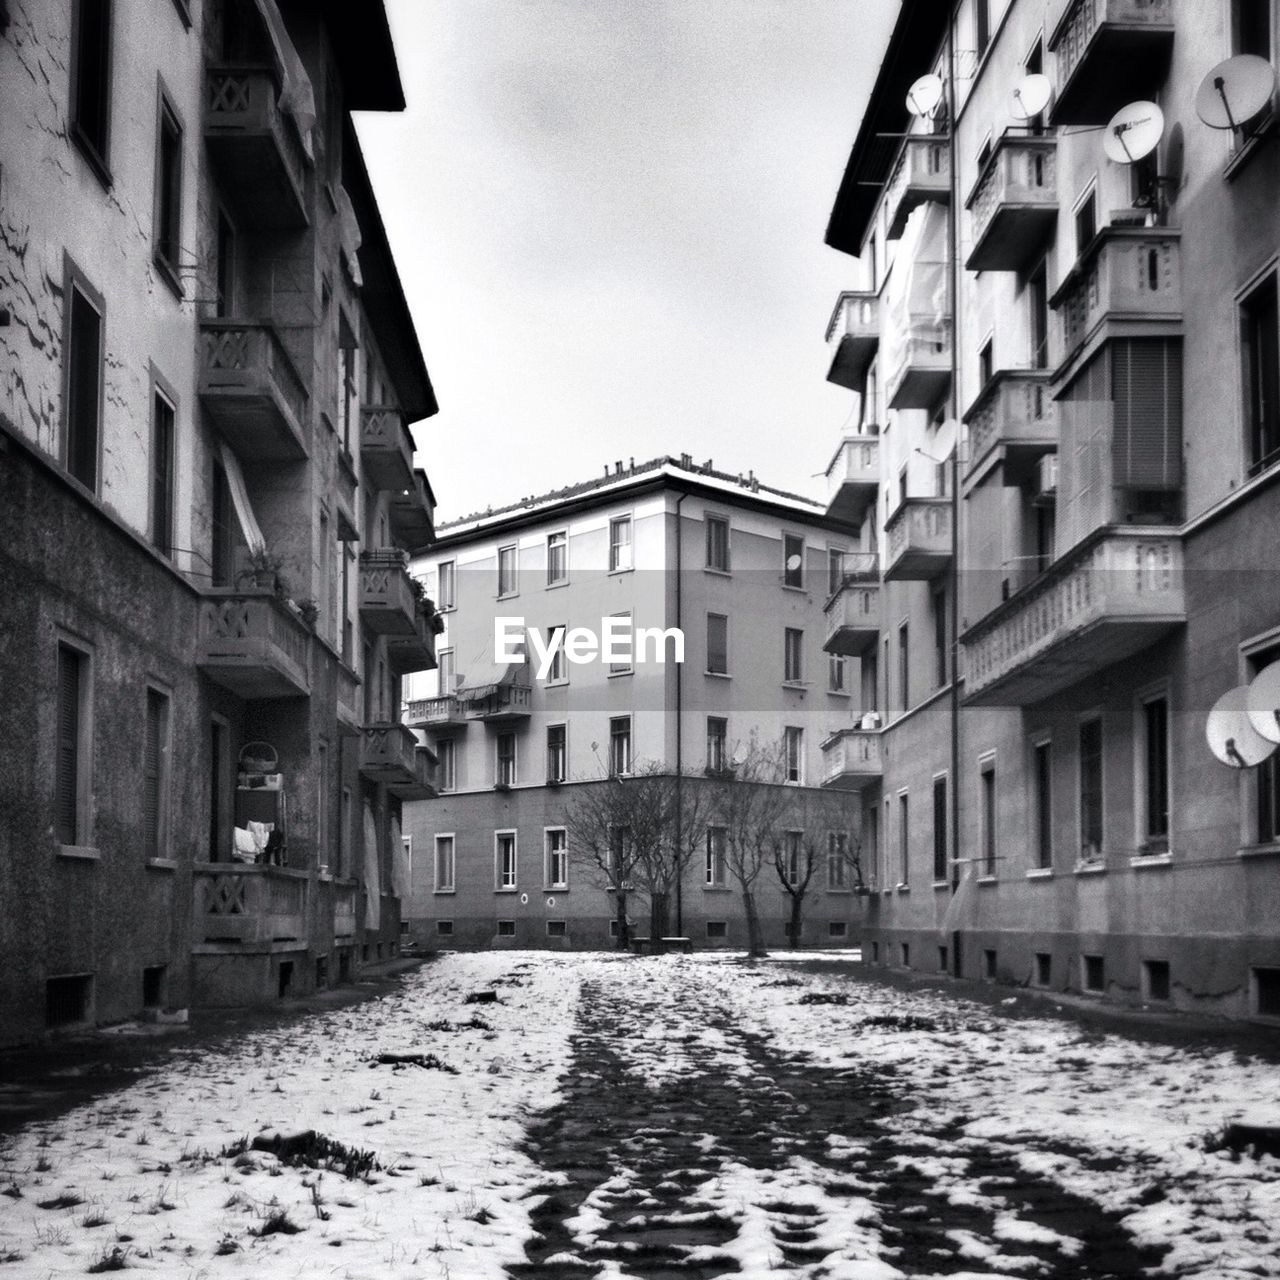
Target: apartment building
(207, 501)
(1093, 367)
(743, 572)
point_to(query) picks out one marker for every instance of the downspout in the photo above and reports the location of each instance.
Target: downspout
(679, 727)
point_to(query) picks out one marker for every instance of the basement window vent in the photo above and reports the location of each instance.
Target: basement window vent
(906, 954)
(506, 928)
(837, 929)
(67, 1000)
(943, 957)
(557, 929)
(1094, 973)
(1044, 968)
(989, 965)
(153, 986)
(444, 927)
(1155, 979)
(1266, 993)
(717, 928)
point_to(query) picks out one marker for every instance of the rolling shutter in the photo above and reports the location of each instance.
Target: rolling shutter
(1146, 446)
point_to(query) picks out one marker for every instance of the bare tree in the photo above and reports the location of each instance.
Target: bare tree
(684, 803)
(817, 838)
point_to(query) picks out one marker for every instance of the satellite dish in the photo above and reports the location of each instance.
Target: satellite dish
(1232, 738)
(1134, 132)
(1263, 703)
(794, 563)
(923, 96)
(1031, 96)
(1235, 91)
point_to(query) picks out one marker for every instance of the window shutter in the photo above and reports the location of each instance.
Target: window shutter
(152, 769)
(67, 750)
(1147, 440)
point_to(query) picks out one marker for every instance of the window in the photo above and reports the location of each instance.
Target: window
(447, 758)
(1093, 973)
(989, 962)
(619, 838)
(1251, 27)
(162, 448)
(557, 753)
(506, 744)
(904, 840)
(504, 843)
(792, 560)
(557, 929)
(986, 363)
(793, 855)
(348, 378)
(619, 746)
(446, 585)
(1155, 979)
(1153, 800)
(1260, 344)
(153, 976)
(837, 859)
(1266, 992)
(444, 928)
(792, 655)
(793, 754)
(940, 845)
(83, 392)
(1038, 309)
(224, 267)
(620, 544)
(155, 776)
(444, 864)
(1086, 222)
(558, 671)
(837, 929)
(717, 644)
(624, 666)
(444, 672)
(68, 1000)
(717, 929)
(718, 543)
(938, 607)
(835, 673)
(982, 25)
(557, 858)
(73, 747)
(835, 570)
(506, 928)
(1042, 783)
(91, 79)
(904, 952)
(168, 207)
(904, 666)
(1091, 789)
(987, 787)
(716, 837)
(870, 680)
(1044, 968)
(557, 558)
(506, 571)
(717, 743)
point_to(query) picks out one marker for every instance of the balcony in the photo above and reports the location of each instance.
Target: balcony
(345, 897)
(854, 332)
(1014, 204)
(853, 617)
(413, 513)
(1109, 52)
(923, 172)
(853, 478)
(445, 712)
(1127, 284)
(918, 540)
(388, 603)
(923, 375)
(387, 754)
(498, 703)
(386, 448)
(851, 759)
(1014, 419)
(424, 785)
(243, 903)
(252, 391)
(255, 149)
(251, 644)
(418, 651)
(1112, 596)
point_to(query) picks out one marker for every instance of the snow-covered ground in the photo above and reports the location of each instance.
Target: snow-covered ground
(757, 1118)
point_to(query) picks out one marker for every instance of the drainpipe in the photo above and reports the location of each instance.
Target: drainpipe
(679, 726)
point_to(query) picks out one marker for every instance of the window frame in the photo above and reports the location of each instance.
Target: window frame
(1260, 428)
(793, 655)
(447, 763)
(500, 880)
(620, 732)
(558, 672)
(712, 671)
(166, 234)
(563, 749)
(793, 755)
(512, 587)
(558, 551)
(716, 863)
(82, 843)
(500, 759)
(164, 774)
(627, 667)
(904, 837)
(616, 547)
(837, 862)
(718, 761)
(836, 675)
(1040, 810)
(162, 539)
(452, 884)
(792, 579)
(1149, 843)
(76, 282)
(712, 520)
(988, 816)
(446, 571)
(1092, 716)
(941, 784)
(549, 881)
(95, 150)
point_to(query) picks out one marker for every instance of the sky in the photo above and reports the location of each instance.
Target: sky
(608, 217)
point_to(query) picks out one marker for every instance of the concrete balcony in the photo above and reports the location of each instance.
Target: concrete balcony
(388, 603)
(387, 754)
(1128, 284)
(498, 703)
(854, 336)
(1015, 420)
(255, 149)
(251, 644)
(413, 513)
(1114, 595)
(345, 898)
(853, 478)
(248, 904)
(251, 389)
(444, 712)
(1109, 52)
(923, 172)
(851, 760)
(923, 375)
(853, 618)
(418, 651)
(386, 448)
(918, 540)
(424, 785)
(1014, 204)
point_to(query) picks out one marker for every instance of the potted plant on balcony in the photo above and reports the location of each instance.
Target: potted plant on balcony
(262, 569)
(308, 610)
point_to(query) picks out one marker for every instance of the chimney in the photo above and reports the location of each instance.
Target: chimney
(686, 461)
(617, 467)
(631, 466)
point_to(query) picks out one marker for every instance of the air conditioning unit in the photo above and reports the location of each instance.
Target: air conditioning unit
(1047, 478)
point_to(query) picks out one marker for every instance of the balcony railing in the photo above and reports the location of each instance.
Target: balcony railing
(387, 753)
(851, 759)
(251, 644)
(853, 618)
(497, 703)
(424, 784)
(853, 478)
(923, 172)
(386, 448)
(1109, 52)
(416, 652)
(918, 538)
(1015, 202)
(924, 370)
(237, 903)
(1107, 599)
(1130, 280)
(252, 390)
(854, 334)
(413, 513)
(1016, 414)
(255, 147)
(344, 910)
(445, 712)
(388, 604)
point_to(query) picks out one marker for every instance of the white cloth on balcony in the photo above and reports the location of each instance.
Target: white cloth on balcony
(297, 97)
(351, 235)
(372, 872)
(916, 296)
(240, 499)
(245, 847)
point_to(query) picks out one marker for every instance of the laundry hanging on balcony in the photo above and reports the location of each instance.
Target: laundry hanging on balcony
(401, 873)
(297, 98)
(240, 499)
(917, 295)
(351, 237)
(372, 876)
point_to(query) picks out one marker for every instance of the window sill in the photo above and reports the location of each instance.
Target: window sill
(613, 675)
(79, 853)
(903, 888)
(558, 584)
(791, 586)
(835, 888)
(168, 273)
(716, 573)
(628, 569)
(716, 888)
(1090, 869)
(796, 686)
(1270, 850)
(1040, 873)
(444, 893)
(162, 864)
(555, 888)
(555, 684)
(1143, 861)
(718, 675)
(988, 880)
(510, 595)
(513, 889)
(95, 161)
(839, 693)
(941, 884)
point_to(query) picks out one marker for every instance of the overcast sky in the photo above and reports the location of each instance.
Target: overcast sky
(608, 216)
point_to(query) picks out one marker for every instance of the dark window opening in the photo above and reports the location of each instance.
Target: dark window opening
(1156, 975)
(1042, 780)
(91, 77)
(1095, 974)
(557, 929)
(169, 191)
(1091, 790)
(989, 965)
(940, 845)
(1155, 718)
(989, 853)
(1038, 305)
(153, 986)
(84, 388)
(322, 972)
(68, 765)
(68, 1000)
(717, 929)
(905, 952)
(506, 928)
(1044, 968)
(1260, 325)
(284, 979)
(943, 958)
(444, 927)
(1266, 987)
(837, 929)
(162, 451)
(1086, 223)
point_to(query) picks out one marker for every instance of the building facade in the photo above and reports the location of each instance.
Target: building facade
(742, 571)
(1066, 355)
(207, 501)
